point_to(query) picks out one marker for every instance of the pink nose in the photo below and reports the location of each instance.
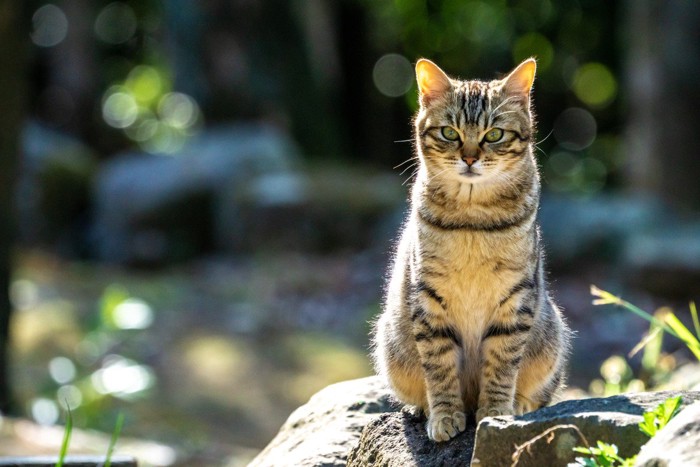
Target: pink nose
(470, 160)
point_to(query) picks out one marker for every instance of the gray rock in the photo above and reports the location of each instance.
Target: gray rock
(355, 423)
(596, 227)
(400, 440)
(665, 260)
(613, 420)
(143, 201)
(322, 432)
(677, 444)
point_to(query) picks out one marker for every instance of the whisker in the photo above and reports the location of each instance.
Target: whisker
(408, 168)
(406, 161)
(545, 138)
(413, 174)
(403, 141)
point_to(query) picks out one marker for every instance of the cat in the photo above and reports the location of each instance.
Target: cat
(467, 323)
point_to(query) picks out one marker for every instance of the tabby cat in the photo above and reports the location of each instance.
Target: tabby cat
(468, 324)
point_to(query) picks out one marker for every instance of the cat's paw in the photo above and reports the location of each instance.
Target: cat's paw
(442, 426)
(494, 411)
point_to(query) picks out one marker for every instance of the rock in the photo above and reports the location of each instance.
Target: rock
(665, 260)
(322, 432)
(612, 420)
(400, 440)
(68, 461)
(677, 444)
(355, 423)
(53, 189)
(584, 229)
(149, 207)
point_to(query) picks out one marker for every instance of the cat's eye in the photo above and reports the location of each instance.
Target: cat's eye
(449, 133)
(493, 135)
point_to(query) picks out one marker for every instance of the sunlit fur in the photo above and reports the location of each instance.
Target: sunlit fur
(468, 324)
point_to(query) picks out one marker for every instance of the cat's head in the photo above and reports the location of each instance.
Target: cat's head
(475, 131)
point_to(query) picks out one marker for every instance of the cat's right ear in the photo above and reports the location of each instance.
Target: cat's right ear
(432, 81)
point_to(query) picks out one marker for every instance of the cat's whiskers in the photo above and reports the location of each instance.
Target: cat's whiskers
(408, 167)
(537, 144)
(413, 174)
(414, 158)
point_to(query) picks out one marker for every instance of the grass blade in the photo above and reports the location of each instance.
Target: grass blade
(115, 437)
(694, 314)
(684, 334)
(606, 298)
(66, 437)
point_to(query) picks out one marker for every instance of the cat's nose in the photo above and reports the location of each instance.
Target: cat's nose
(470, 158)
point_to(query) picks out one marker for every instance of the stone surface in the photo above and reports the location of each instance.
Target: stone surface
(355, 423)
(322, 432)
(399, 440)
(69, 461)
(677, 444)
(612, 419)
(145, 204)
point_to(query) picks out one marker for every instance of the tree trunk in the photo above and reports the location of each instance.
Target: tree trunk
(13, 38)
(663, 71)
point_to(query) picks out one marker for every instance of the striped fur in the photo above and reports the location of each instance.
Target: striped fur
(468, 324)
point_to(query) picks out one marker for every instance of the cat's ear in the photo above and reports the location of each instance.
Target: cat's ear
(519, 81)
(432, 81)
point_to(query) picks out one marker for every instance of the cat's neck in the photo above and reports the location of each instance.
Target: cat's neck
(458, 192)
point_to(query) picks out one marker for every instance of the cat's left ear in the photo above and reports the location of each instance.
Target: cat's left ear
(519, 81)
(432, 81)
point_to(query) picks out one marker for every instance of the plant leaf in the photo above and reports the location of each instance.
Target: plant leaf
(68, 430)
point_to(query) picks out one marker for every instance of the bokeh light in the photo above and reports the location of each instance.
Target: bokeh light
(178, 110)
(145, 84)
(44, 411)
(49, 26)
(119, 108)
(69, 397)
(116, 23)
(62, 370)
(595, 85)
(393, 75)
(133, 313)
(150, 114)
(534, 44)
(122, 377)
(575, 129)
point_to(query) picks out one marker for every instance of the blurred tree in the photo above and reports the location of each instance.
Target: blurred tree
(13, 35)
(663, 71)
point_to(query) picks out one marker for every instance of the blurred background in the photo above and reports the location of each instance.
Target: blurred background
(199, 199)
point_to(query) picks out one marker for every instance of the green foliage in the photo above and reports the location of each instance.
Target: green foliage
(68, 431)
(66, 438)
(658, 418)
(606, 455)
(115, 436)
(668, 322)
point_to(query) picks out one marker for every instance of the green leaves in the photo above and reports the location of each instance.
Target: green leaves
(658, 418)
(66, 437)
(670, 322)
(606, 455)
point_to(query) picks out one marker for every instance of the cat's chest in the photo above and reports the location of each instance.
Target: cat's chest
(472, 277)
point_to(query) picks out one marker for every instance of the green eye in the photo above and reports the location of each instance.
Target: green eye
(449, 133)
(493, 135)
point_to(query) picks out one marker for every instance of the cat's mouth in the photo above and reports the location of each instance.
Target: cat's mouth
(470, 173)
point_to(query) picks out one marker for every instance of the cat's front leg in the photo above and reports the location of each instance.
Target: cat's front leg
(439, 347)
(501, 350)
